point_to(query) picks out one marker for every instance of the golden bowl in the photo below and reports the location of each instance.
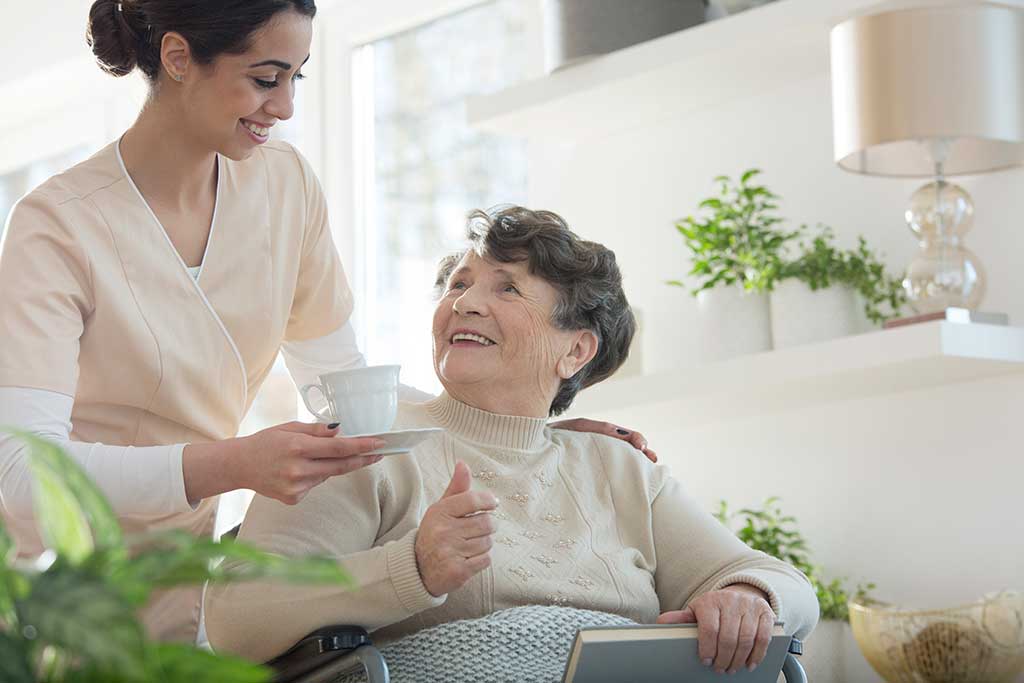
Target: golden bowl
(982, 642)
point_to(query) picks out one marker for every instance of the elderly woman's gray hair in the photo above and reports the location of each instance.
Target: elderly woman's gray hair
(584, 273)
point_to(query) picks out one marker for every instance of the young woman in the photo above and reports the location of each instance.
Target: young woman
(145, 293)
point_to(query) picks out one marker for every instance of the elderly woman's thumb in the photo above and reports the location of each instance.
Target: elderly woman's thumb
(679, 616)
(460, 482)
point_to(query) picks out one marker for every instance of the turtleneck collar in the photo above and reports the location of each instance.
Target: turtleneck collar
(479, 426)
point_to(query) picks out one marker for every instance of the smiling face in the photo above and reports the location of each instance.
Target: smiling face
(233, 103)
(495, 346)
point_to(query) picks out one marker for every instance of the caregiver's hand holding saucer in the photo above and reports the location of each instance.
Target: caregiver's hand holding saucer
(282, 462)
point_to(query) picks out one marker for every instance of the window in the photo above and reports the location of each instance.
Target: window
(424, 168)
(17, 183)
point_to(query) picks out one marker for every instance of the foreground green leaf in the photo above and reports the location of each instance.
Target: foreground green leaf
(69, 480)
(61, 520)
(7, 578)
(174, 662)
(175, 558)
(14, 665)
(77, 611)
(6, 545)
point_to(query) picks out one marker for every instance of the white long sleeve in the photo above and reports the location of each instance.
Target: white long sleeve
(307, 360)
(140, 482)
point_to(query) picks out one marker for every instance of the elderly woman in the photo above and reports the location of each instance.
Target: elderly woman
(528, 315)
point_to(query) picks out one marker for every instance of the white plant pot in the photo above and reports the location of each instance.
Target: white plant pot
(575, 30)
(802, 316)
(733, 323)
(831, 655)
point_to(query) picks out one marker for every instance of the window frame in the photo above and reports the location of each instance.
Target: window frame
(340, 29)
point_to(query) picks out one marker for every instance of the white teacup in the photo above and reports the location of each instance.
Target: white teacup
(363, 400)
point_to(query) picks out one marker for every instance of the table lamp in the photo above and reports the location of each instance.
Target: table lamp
(933, 91)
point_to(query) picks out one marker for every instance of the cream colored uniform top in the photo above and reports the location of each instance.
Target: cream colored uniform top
(96, 303)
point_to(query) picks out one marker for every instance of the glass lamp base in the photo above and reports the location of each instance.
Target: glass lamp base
(944, 273)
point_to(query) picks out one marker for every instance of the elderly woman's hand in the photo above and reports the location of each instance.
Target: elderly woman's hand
(734, 626)
(455, 537)
(582, 424)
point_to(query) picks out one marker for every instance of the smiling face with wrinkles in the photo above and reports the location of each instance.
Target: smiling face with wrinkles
(495, 346)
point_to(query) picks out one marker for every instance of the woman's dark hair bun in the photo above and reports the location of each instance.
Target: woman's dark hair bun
(111, 36)
(126, 35)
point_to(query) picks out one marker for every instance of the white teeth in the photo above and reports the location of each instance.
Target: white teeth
(461, 336)
(262, 132)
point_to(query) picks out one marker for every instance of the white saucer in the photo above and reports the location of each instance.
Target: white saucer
(398, 441)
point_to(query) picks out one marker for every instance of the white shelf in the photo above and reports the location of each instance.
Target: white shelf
(751, 52)
(877, 363)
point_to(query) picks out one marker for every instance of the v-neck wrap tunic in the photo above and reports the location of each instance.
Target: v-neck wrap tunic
(97, 304)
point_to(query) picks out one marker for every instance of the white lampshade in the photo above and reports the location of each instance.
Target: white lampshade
(952, 73)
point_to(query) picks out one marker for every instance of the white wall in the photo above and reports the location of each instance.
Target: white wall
(919, 492)
(36, 35)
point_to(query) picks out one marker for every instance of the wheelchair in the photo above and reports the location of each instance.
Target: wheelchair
(335, 650)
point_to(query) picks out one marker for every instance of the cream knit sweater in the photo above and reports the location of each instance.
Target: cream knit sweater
(584, 520)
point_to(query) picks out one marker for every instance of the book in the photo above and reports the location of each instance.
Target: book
(658, 653)
(953, 315)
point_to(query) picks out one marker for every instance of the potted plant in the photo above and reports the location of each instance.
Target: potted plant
(69, 616)
(737, 253)
(831, 653)
(826, 292)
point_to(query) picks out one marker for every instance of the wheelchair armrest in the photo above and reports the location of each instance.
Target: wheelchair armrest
(317, 649)
(791, 669)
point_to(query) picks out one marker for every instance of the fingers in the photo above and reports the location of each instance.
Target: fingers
(734, 627)
(477, 564)
(728, 637)
(324, 468)
(445, 557)
(679, 616)
(340, 447)
(310, 428)
(469, 503)
(476, 546)
(460, 481)
(707, 633)
(764, 636)
(746, 634)
(633, 438)
(637, 440)
(476, 526)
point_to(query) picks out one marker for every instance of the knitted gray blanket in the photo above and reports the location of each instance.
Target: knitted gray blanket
(519, 645)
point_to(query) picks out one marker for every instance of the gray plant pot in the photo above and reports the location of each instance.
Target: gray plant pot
(734, 6)
(575, 30)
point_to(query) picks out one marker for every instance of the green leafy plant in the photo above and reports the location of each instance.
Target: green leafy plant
(773, 533)
(70, 616)
(821, 264)
(735, 241)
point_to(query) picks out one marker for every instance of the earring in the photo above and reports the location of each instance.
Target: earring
(179, 78)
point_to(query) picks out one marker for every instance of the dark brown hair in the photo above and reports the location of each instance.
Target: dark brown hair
(126, 35)
(585, 274)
